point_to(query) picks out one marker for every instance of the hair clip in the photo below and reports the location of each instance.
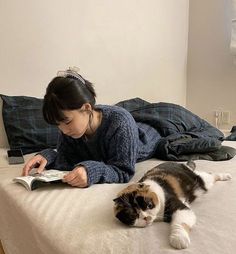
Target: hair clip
(72, 71)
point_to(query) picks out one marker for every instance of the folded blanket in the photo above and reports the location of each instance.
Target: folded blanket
(183, 133)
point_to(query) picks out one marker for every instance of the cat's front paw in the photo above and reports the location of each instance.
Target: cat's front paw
(179, 237)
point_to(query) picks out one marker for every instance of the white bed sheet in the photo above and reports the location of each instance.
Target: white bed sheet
(61, 219)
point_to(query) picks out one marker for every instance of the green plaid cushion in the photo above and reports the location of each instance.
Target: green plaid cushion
(25, 126)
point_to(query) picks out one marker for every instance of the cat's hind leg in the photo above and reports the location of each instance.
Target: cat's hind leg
(222, 177)
(210, 178)
(182, 222)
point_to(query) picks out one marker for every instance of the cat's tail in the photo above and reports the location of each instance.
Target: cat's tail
(191, 164)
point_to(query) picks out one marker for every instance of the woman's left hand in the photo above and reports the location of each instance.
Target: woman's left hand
(77, 177)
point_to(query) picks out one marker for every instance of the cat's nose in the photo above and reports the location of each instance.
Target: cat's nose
(148, 218)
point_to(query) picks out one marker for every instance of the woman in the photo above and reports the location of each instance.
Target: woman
(98, 143)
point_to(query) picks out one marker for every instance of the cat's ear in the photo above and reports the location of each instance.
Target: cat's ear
(118, 200)
(141, 185)
(123, 200)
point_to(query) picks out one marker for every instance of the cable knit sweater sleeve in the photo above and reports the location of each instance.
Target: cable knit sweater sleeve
(122, 156)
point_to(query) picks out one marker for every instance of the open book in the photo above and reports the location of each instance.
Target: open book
(34, 181)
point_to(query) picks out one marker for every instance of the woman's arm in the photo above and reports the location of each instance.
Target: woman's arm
(121, 157)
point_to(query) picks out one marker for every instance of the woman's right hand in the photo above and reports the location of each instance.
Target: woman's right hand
(38, 161)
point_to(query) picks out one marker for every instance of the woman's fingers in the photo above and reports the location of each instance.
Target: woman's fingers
(77, 177)
(28, 166)
(36, 161)
(42, 166)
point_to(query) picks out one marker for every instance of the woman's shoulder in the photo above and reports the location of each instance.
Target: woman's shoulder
(116, 114)
(113, 110)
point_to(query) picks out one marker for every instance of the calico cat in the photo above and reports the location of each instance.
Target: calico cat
(164, 193)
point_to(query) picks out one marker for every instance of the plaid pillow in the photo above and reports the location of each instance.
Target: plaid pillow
(24, 124)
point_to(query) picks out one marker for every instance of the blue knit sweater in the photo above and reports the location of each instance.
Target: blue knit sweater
(109, 156)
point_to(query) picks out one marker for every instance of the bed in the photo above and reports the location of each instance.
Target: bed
(62, 219)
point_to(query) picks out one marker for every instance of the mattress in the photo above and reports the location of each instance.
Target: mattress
(62, 219)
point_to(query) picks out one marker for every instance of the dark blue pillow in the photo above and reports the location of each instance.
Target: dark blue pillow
(25, 126)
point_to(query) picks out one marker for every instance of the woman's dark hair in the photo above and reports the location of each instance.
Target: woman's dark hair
(66, 93)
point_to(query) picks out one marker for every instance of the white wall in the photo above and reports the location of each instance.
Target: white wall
(211, 73)
(127, 48)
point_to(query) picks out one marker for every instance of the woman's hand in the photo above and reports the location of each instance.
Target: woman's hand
(77, 177)
(38, 161)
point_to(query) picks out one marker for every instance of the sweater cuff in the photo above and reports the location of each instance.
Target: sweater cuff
(94, 171)
(49, 154)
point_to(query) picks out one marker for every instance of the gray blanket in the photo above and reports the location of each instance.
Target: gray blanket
(184, 135)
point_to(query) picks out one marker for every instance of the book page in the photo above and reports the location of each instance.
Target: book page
(25, 180)
(36, 180)
(51, 175)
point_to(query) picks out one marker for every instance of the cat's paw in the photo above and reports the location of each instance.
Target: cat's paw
(179, 237)
(225, 176)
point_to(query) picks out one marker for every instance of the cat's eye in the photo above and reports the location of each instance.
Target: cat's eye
(144, 203)
(149, 205)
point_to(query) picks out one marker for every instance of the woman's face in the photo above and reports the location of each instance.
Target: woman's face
(76, 123)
